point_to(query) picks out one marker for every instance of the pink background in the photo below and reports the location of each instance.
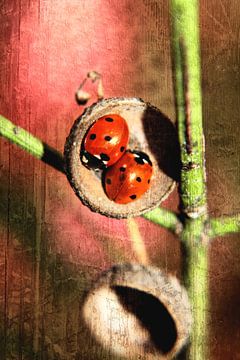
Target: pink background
(51, 245)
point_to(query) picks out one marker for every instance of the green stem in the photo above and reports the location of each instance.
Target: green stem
(165, 218)
(186, 56)
(224, 225)
(31, 144)
(21, 138)
(195, 274)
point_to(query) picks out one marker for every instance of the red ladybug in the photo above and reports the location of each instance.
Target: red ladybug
(105, 142)
(129, 178)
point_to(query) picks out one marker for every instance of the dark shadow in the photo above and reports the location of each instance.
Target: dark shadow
(61, 282)
(184, 260)
(17, 214)
(183, 355)
(162, 138)
(53, 158)
(153, 316)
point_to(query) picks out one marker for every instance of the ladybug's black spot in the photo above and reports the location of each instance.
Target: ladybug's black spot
(122, 168)
(148, 181)
(104, 157)
(108, 138)
(138, 179)
(92, 137)
(133, 197)
(108, 119)
(122, 148)
(108, 181)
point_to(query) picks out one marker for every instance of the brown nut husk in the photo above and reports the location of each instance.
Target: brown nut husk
(138, 312)
(150, 132)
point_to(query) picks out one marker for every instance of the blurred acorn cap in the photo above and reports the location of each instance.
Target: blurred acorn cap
(150, 132)
(138, 312)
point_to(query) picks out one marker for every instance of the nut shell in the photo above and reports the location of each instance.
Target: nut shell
(138, 312)
(150, 132)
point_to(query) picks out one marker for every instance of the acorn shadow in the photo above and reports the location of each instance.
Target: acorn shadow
(153, 316)
(161, 135)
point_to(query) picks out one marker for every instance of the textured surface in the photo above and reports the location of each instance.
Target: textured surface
(52, 246)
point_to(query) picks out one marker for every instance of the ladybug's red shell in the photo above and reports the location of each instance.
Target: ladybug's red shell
(129, 178)
(106, 141)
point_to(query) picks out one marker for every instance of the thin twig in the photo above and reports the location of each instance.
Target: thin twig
(165, 218)
(21, 137)
(31, 144)
(137, 242)
(224, 226)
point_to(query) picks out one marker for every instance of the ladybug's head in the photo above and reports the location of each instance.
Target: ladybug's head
(141, 158)
(92, 162)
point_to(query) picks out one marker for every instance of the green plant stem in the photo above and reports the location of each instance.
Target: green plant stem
(165, 218)
(186, 56)
(31, 144)
(195, 275)
(224, 225)
(21, 137)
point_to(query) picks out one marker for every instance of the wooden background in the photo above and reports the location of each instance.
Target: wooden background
(52, 247)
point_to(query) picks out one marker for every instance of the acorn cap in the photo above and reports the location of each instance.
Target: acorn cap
(150, 132)
(138, 311)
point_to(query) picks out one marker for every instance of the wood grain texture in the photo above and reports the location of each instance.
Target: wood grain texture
(52, 247)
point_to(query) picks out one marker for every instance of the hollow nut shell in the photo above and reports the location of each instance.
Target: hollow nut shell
(138, 312)
(150, 131)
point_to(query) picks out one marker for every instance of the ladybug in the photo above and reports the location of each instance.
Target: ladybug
(129, 178)
(105, 142)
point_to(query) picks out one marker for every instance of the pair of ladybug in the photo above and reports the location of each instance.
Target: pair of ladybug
(127, 173)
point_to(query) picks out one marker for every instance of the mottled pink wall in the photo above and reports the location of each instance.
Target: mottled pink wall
(51, 246)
